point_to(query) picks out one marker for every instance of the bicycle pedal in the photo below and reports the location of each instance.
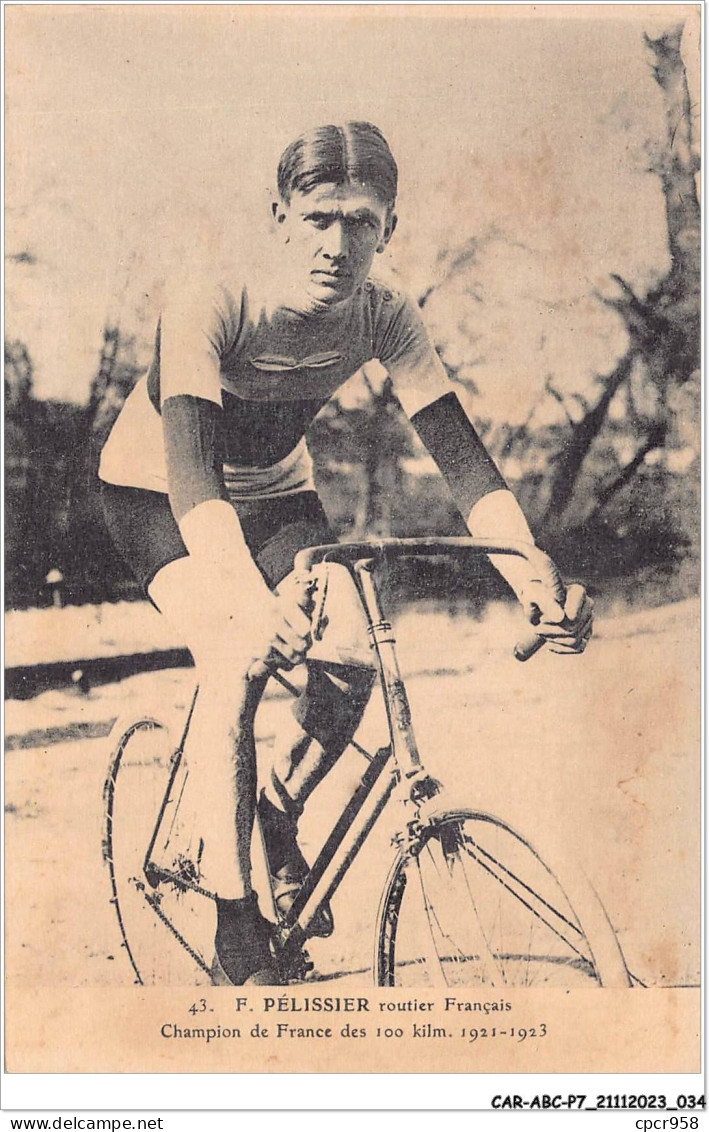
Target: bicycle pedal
(298, 968)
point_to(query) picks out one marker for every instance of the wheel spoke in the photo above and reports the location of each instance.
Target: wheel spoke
(147, 902)
(489, 961)
(435, 962)
(529, 906)
(507, 921)
(520, 882)
(176, 808)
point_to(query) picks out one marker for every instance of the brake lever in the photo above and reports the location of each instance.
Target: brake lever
(318, 618)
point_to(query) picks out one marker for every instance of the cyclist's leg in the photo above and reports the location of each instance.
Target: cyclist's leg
(325, 719)
(338, 686)
(340, 671)
(219, 748)
(221, 755)
(340, 666)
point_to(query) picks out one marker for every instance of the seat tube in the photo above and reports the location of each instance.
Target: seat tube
(396, 700)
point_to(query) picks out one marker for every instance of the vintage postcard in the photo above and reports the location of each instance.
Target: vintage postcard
(417, 285)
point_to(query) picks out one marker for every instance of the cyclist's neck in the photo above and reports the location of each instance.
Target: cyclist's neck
(280, 286)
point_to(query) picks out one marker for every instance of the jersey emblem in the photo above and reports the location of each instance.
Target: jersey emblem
(279, 364)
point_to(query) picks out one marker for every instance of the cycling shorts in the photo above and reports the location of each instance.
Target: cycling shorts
(145, 533)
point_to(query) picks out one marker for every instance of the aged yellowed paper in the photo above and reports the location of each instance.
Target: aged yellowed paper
(406, 265)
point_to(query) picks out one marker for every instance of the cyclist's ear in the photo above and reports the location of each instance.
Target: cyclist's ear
(391, 222)
(279, 213)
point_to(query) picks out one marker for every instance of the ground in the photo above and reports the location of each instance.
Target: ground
(594, 757)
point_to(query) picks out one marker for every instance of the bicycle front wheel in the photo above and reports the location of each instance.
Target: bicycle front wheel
(160, 917)
(469, 902)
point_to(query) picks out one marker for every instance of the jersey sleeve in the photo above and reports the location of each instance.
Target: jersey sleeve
(194, 332)
(426, 394)
(402, 345)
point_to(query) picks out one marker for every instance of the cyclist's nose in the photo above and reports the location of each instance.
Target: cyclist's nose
(336, 241)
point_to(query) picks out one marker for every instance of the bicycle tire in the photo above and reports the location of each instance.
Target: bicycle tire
(469, 902)
(161, 922)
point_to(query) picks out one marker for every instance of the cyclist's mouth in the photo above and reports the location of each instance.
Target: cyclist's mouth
(332, 278)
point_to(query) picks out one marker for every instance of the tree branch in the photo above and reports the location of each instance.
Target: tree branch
(583, 435)
(655, 439)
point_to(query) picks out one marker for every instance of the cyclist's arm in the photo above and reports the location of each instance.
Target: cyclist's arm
(488, 506)
(192, 342)
(192, 339)
(490, 509)
(563, 617)
(424, 389)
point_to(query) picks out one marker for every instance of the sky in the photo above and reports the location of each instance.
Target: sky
(130, 128)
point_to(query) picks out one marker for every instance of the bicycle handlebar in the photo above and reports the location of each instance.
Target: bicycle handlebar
(410, 547)
(347, 553)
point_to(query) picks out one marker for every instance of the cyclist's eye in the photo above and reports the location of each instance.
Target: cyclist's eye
(363, 224)
(319, 222)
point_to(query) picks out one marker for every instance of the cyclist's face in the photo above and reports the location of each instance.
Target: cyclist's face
(334, 232)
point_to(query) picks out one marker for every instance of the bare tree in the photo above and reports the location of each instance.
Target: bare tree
(569, 472)
(115, 376)
(663, 327)
(19, 373)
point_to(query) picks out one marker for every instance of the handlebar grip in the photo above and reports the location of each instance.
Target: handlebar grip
(528, 646)
(304, 583)
(550, 577)
(258, 670)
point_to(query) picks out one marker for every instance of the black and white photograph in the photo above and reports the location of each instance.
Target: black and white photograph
(352, 539)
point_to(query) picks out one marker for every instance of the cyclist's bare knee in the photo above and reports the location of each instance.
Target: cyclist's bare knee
(223, 643)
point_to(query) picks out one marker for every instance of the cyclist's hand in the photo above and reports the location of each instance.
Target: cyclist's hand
(262, 628)
(290, 625)
(566, 629)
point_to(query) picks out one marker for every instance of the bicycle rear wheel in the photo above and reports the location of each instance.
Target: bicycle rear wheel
(469, 902)
(164, 924)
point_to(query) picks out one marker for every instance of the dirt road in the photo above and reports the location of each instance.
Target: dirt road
(596, 756)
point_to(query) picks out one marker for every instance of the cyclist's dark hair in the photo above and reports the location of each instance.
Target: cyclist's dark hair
(339, 155)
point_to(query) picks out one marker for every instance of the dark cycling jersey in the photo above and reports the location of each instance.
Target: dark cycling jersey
(233, 386)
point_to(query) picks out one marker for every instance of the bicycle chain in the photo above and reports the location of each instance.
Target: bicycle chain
(299, 971)
(182, 882)
(154, 903)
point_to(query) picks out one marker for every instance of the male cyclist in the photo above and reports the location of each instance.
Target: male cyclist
(208, 492)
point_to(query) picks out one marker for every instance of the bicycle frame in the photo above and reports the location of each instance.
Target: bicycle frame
(347, 837)
(401, 756)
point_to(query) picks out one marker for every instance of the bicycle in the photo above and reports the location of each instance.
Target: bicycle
(468, 901)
